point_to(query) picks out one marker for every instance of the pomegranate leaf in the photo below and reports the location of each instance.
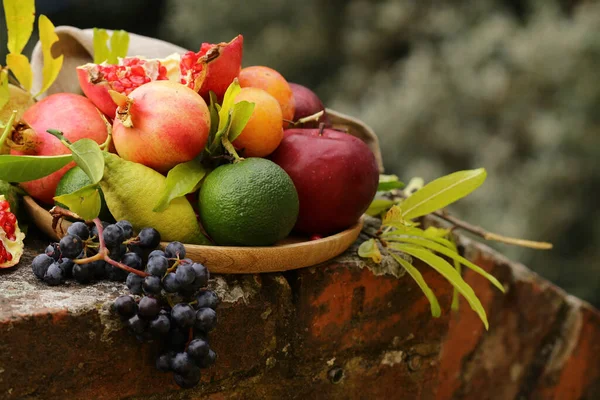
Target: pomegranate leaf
(7, 130)
(20, 15)
(19, 65)
(442, 192)
(119, 44)
(242, 112)
(214, 115)
(4, 91)
(101, 51)
(28, 168)
(88, 156)
(181, 180)
(85, 202)
(52, 65)
(228, 102)
(389, 182)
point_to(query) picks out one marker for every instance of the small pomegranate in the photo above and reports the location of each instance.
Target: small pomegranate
(131, 72)
(307, 103)
(224, 65)
(73, 115)
(11, 237)
(160, 124)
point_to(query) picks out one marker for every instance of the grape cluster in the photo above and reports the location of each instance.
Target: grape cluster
(57, 263)
(175, 310)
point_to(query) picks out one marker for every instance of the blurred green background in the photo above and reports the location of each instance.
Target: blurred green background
(509, 85)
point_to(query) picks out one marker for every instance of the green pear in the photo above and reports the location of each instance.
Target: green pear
(131, 191)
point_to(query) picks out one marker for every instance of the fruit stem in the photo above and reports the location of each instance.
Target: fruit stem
(230, 149)
(8, 128)
(314, 117)
(321, 128)
(104, 252)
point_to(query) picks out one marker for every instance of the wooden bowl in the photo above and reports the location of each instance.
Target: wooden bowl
(290, 253)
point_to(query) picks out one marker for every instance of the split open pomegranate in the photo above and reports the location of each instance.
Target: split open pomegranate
(213, 68)
(11, 237)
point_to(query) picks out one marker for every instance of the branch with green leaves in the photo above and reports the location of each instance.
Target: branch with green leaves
(401, 237)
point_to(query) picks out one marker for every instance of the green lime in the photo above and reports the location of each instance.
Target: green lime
(74, 180)
(250, 203)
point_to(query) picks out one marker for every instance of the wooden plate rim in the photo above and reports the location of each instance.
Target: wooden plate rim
(267, 258)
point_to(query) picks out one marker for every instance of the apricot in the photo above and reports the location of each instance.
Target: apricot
(264, 130)
(272, 82)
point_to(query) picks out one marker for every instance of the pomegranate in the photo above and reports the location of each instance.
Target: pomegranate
(131, 72)
(11, 237)
(160, 124)
(224, 62)
(73, 115)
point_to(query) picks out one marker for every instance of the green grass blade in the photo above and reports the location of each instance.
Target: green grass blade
(455, 256)
(436, 311)
(446, 270)
(455, 297)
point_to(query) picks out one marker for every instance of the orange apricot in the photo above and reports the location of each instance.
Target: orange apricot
(264, 130)
(273, 83)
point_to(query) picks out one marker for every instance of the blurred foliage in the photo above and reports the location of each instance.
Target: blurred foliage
(506, 85)
(509, 85)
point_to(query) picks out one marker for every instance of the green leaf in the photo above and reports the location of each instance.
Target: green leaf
(28, 168)
(85, 202)
(19, 65)
(228, 102)
(446, 270)
(52, 65)
(369, 249)
(101, 51)
(436, 311)
(181, 180)
(217, 141)
(214, 114)
(455, 297)
(393, 218)
(88, 156)
(20, 15)
(442, 192)
(4, 90)
(413, 231)
(242, 112)
(455, 256)
(389, 182)
(119, 44)
(378, 206)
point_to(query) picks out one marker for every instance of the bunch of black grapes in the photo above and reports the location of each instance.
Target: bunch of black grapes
(175, 310)
(82, 242)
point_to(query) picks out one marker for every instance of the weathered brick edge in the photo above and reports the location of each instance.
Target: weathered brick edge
(343, 330)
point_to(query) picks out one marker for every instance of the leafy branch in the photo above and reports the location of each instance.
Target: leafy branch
(401, 237)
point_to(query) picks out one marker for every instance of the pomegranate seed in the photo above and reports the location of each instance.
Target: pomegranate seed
(137, 70)
(137, 80)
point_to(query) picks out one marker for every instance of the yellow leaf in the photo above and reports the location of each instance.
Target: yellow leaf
(51, 65)
(19, 65)
(4, 91)
(20, 15)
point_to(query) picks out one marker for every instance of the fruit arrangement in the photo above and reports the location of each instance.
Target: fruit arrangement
(160, 155)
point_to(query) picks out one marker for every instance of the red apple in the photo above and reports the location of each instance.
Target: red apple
(335, 174)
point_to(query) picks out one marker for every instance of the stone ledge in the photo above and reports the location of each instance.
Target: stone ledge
(335, 331)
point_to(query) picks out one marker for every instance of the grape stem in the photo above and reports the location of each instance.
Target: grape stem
(103, 254)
